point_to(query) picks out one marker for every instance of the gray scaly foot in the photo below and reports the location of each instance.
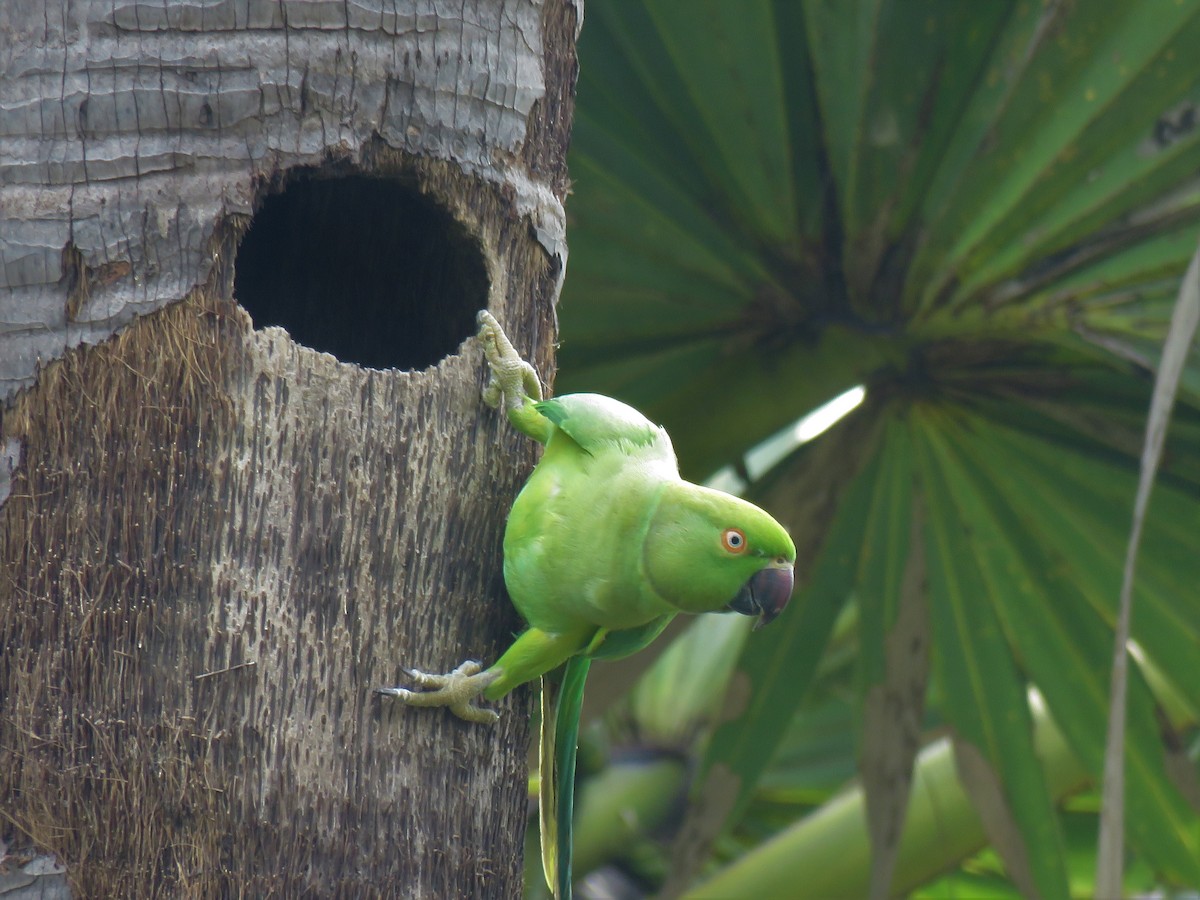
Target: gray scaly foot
(455, 690)
(513, 380)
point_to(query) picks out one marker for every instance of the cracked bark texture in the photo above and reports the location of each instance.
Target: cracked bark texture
(214, 541)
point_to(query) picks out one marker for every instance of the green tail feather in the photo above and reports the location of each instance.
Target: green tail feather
(546, 782)
(560, 740)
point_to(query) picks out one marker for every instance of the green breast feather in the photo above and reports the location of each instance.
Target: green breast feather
(573, 545)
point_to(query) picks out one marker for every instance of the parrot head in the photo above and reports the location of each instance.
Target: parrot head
(706, 550)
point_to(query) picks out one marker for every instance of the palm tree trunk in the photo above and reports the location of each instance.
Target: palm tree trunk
(215, 540)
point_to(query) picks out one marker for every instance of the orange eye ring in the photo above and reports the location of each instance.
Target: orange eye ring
(734, 540)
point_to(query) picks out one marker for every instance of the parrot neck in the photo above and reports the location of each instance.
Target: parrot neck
(680, 552)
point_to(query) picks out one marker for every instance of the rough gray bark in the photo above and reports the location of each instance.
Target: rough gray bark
(132, 128)
(215, 541)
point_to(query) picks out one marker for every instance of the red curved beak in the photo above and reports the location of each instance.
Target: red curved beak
(765, 594)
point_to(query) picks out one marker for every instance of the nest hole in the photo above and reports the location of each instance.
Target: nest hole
(368, 269)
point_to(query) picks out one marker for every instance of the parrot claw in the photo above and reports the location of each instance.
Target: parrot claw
(456, 690)
(513, 380)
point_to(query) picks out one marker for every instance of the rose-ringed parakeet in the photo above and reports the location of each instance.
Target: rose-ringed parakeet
(604, 546)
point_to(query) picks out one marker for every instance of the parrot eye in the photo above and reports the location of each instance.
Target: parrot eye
(733, 540)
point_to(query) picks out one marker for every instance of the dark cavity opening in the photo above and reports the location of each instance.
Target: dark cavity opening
(368, 269)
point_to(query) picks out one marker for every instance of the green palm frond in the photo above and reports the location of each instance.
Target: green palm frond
(981, 213)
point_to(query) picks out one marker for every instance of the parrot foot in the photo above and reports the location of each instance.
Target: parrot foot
(455, 689)
(513, 380)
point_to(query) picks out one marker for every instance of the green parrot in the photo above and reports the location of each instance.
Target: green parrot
(604, 545)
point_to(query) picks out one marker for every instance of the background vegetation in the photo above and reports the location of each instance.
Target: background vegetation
(980, 213)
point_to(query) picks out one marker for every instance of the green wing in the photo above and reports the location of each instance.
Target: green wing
(559, 743)
(619, 644)
(597, 423)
